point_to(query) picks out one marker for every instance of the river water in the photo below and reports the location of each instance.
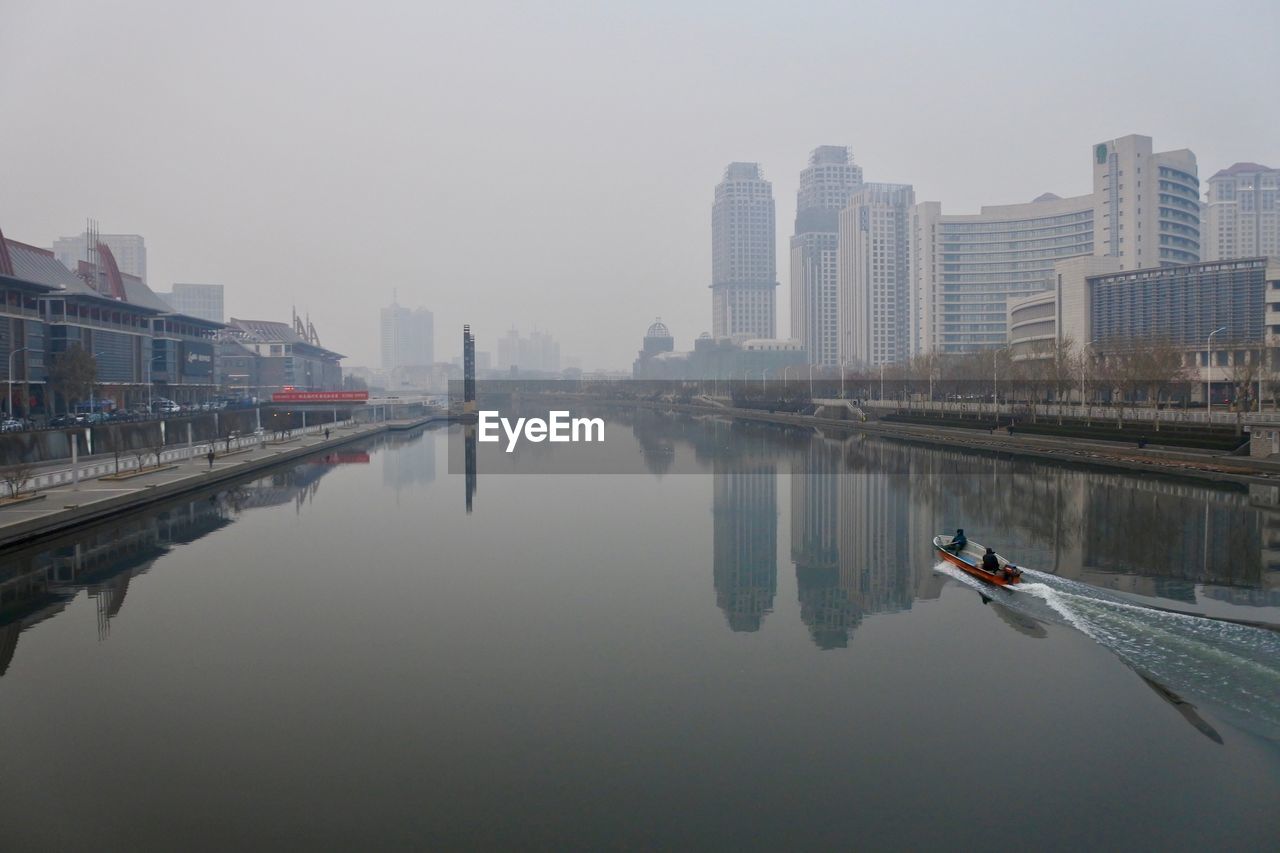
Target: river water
(747, 642)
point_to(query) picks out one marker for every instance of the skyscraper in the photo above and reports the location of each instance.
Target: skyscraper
(875, 276)
(1242, 213)
(129, 250)
(1148, 204)
(825, 187)
(408, 337)
(744, 272)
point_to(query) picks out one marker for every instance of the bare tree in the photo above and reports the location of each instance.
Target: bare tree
(71, 374)
(17, 475)
(1162, 364)
(1245, 368)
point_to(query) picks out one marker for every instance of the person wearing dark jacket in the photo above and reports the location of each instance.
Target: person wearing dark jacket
(958, 542)
(990, 562)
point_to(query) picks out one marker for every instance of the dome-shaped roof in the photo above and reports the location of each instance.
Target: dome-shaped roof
(657, 330)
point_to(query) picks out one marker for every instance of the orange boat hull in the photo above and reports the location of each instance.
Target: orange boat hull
(981, 574)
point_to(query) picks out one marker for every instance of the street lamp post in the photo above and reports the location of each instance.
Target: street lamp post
(11, 355)
(1208, 379)
(763, 374)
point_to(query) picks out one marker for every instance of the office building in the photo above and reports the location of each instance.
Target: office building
(875, 275)
(129, 251)
(1094, 304)
(197, 300)
(408, 337)
(744, 269)
(825, 188)
(1143, 211)
(1242, 213)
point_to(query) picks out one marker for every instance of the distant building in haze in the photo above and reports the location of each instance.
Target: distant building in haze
(408, 337)
(539, 353)
(1242, 213)
(129, 250)
(825, 188)
(197, 300)
(744, 273)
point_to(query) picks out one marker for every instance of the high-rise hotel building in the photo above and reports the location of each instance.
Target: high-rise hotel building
(1144, 211)
(1242, 213)
(744, 271)
(875, 275)
(826, 185)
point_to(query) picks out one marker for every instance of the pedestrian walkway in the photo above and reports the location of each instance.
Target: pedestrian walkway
(70, 503)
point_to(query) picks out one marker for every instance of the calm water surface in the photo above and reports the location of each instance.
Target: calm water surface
(749, 644)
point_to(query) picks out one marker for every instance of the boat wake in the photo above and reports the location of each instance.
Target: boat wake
(1233, 668)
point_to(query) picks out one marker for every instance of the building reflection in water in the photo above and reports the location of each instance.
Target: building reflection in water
(853, 540)
(414, 465)
(39, 581)
(744, 526)
(864, 511)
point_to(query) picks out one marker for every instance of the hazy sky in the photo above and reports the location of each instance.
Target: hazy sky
(552, 164)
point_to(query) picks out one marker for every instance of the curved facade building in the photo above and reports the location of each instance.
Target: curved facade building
(1033, 324)
(1148, 203)
(967, 267)
(1144, 212)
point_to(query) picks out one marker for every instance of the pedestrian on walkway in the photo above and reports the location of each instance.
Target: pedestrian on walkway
(210, 456)
(326, 433)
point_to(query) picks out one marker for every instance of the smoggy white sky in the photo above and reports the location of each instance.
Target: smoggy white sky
(552, 164)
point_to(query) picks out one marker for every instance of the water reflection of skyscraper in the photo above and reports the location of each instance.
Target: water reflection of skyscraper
(852, 537)
(745, 540)
(744, 508)
(413, 465)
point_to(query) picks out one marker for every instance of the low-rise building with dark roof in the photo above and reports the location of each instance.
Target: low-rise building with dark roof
(142, 348)
(259, 357)
(22, 332)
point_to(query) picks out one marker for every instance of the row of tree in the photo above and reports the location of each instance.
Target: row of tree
(1123, 372)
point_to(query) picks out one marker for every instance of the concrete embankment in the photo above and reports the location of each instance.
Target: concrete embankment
(1152, 460)
(62, 507)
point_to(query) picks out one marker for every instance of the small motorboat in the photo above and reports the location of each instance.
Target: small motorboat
(970, 560)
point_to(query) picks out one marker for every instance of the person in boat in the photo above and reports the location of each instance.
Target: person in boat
(958, 542)
(990, 562)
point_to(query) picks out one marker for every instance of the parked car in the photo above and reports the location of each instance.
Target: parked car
(12, 425)
(64, 421)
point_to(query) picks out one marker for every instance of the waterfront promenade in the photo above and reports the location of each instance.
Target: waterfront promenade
(1210, 465)
(64, 500)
